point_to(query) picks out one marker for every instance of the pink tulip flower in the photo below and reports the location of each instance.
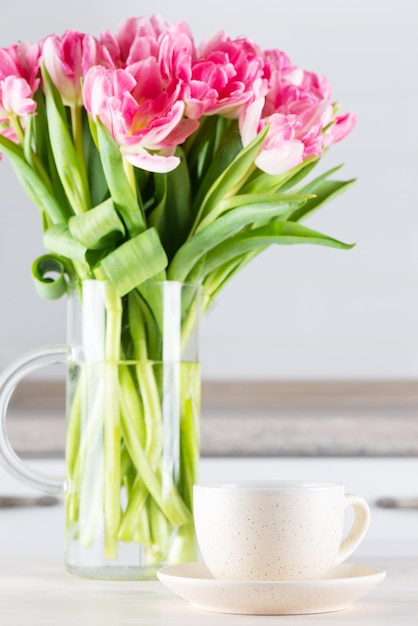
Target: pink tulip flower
(343, 125)
(281, 149)
(139, 38)
(15, 96)
(15, 101)
(226, 75)
(171, 45)
(19, 67)
(22, 61)
(177, 53)
(68, 59)
(300, 115)
(145, 119)
(110, 50)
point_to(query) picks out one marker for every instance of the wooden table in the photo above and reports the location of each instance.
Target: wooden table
(42, 594)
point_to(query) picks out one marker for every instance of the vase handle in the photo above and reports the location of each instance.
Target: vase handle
(9, 380)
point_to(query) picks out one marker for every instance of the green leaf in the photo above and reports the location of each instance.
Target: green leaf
(40, 129)
(44, 152)
(123, 196)
(222, 145)
(27, 142)
(260, 200)
(299, 172)
(36, 188)
(215, 281)
(43, 161)
(281, 233)
(156, 215)
(173, 217)
(59, 240)
(323, 190)
(147, 304)
(232, 177)
(99, 190)
(137, 326)
(63, 149)
(135, 261)
(98, 228)
(50, 287)
(260, 182)
(93, 131)
(199, 148)
(225, 226)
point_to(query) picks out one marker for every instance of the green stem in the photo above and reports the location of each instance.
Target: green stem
(77, 130)
(184, 547)
(112, 434)
(88, 475)
(173, 506)
(122, 442)
(112, 459)
(160, 530)
(71, 455)
(141, 530)
(153, 418)
(133, 511)
(83, 450)
(130, 175)
(73, 432)
(131, 409)
(190, 321)
(17, 127)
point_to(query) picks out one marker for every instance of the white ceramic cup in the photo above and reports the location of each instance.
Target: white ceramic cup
(276, 530)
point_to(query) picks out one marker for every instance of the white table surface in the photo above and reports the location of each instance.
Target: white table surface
(41, 593)
(35, 589)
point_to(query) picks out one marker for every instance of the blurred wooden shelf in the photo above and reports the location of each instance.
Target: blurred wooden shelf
(257, 418)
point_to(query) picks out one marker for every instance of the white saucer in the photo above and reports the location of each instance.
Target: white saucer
(343, 585)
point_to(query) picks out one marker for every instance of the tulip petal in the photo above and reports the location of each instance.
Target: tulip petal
(249, 121)
(59, 74)
(150, 162)
(280, 159)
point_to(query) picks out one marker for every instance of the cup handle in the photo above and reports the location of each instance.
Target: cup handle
(358, 529)
(9, 380)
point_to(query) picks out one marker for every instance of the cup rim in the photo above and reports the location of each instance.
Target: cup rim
(269, 486)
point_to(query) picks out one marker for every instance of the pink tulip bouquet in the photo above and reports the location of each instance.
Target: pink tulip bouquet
(151, 158)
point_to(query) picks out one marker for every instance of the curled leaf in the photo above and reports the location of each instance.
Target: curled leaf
(49, 277)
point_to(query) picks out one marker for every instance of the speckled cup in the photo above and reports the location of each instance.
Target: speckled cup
(276, 530)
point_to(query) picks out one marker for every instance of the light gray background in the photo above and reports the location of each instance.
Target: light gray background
(295, 312)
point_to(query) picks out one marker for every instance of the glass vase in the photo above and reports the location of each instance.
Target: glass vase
(132, 444)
